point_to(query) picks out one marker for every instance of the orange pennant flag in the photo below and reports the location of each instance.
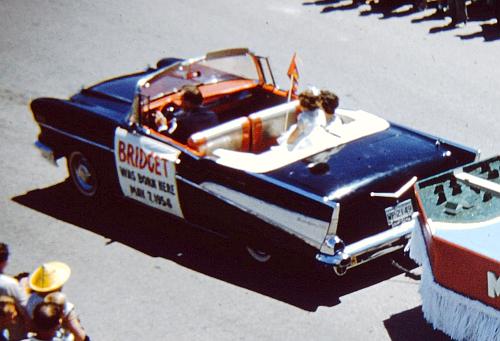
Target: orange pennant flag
(292, 69)
(293, 73)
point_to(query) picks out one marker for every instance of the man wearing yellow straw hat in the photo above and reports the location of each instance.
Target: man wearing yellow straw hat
(49, 278)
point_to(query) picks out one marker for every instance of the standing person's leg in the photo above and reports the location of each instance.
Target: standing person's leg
(452, 11)
(461, 11)
(457, 11)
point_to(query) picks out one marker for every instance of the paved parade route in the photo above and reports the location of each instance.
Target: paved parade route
(138, 274)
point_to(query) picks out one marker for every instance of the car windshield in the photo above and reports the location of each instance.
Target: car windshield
(227, 68)
(208, 70)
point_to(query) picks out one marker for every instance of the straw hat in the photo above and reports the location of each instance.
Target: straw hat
(49, 277)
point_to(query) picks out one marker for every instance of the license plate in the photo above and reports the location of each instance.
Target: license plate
(402, 212)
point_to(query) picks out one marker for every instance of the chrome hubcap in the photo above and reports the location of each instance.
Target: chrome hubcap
(82, 174)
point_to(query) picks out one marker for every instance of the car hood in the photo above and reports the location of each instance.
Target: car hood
(122, 88)
(383, 162)
(112, 98)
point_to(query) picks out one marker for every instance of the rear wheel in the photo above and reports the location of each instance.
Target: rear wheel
(83, 174)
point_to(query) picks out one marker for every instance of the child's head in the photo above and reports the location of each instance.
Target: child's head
(8, 311)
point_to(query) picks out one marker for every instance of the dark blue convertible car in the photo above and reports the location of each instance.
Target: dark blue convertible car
(344, 200)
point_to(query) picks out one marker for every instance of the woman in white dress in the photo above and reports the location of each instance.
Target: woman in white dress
(329, 102)
(310, 120)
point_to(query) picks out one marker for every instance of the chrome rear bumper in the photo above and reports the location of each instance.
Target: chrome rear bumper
(371, 247)
(47, 152)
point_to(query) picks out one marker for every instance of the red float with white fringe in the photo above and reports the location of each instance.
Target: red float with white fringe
(458, 246)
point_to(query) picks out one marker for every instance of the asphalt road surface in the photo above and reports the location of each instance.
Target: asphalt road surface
(138, 275)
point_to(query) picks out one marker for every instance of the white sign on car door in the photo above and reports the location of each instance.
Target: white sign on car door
(146, 170)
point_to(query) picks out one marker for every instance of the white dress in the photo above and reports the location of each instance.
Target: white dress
(311, 124)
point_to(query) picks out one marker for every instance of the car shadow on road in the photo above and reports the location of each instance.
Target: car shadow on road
(296, 282)
(411, 325)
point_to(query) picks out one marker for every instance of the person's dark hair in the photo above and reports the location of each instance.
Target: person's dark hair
(329, 101)
(47, 316)
(4, 252)
(192, 94)
(308, 100)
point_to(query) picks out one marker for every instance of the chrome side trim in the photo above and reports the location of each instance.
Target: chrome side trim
(334, 222)
(371, 247)
(312, 231)
(189, 182)
(76, 137)
(332, 230)
(47, 152)
(398, 193)
(307, 228)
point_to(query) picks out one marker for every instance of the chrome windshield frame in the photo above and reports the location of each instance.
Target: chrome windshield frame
(141, 98)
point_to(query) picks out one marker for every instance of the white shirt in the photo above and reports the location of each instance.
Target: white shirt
(35, 299)
(10, 286)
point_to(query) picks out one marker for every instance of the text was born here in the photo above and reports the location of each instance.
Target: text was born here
(146, 171)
